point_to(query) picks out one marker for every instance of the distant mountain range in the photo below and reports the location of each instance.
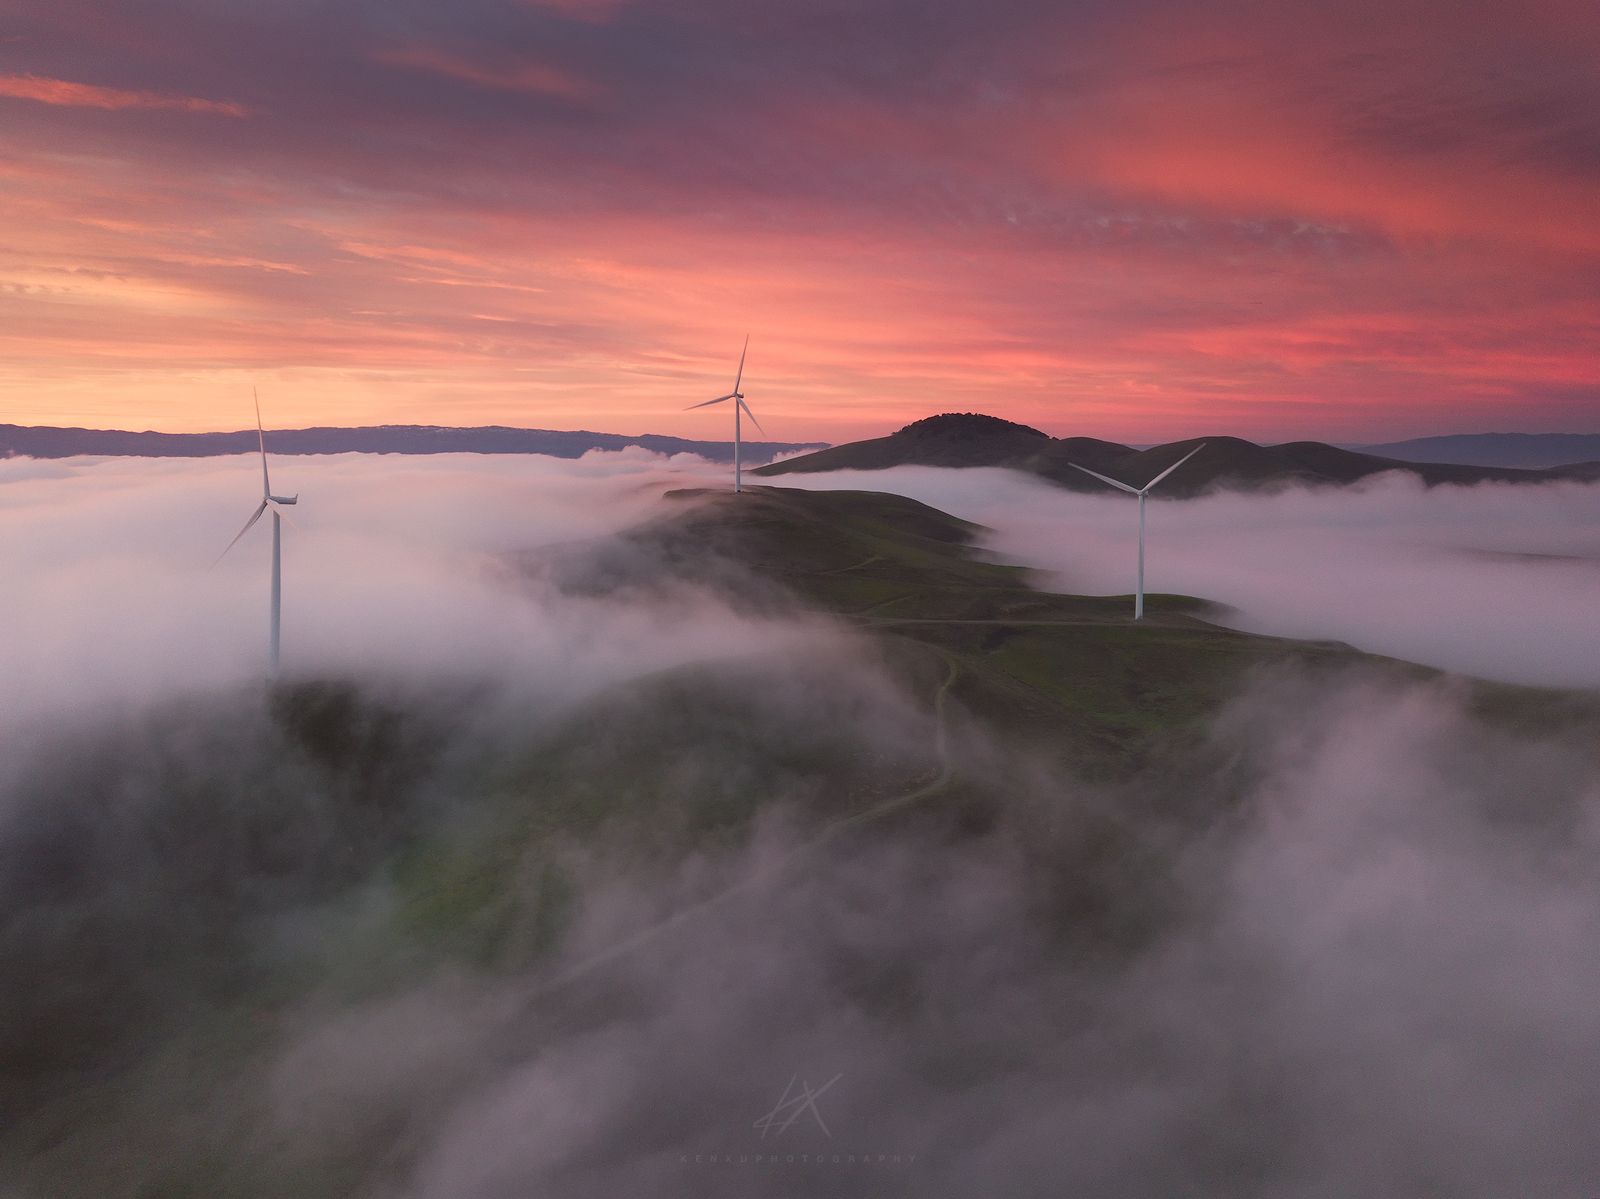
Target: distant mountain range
(970, 439)
(1531, 450)
(952, 439)
(47, 442)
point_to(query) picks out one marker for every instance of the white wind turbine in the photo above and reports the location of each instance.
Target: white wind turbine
(275, 502)
(1141, 492)
(739, 405)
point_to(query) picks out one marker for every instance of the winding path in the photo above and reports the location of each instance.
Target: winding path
(826, 834)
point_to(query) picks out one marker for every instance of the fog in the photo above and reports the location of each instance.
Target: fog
(395, 565)
(1380, 983)
(541, 877)
(1493, 580)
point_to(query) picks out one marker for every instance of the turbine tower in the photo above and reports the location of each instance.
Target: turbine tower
(739, 405)
(275, 502)
(1141, 492)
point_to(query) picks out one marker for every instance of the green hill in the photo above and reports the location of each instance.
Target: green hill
(904, 572)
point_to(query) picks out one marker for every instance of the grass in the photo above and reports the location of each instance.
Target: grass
(1073, 675)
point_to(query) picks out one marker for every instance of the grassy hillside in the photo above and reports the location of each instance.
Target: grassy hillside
(1072, 676)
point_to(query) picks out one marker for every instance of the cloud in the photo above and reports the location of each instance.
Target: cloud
(67, 94)
(395, 565)
(532, 77)
(1127, 221)
(530, 881)
(1382, 940)
(1490, 580)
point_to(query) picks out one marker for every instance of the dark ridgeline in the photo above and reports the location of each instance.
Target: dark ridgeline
(1532, 450)
(48, 442)
(971, 439)
(950, 439)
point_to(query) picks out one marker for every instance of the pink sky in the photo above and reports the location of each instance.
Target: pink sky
(1353, 221)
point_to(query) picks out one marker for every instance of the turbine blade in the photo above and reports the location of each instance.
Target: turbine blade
(708, 403)
(248, 525)
(277, 510)
(261, 440)
(752, 417)
(1104, 479)
(1174, 466)
(740, 375)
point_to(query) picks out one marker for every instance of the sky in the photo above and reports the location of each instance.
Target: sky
(1140, 220)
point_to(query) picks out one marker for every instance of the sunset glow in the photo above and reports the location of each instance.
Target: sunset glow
(1137, 221)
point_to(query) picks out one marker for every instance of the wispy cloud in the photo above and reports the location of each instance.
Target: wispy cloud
(529, 77)
(67, 94)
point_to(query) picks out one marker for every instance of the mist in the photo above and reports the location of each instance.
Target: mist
(1491, 580)
(542, 871)
(1375, 978)
(392, 565)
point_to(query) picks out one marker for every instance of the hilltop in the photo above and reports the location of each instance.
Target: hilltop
(1070, 673)
(970, 439)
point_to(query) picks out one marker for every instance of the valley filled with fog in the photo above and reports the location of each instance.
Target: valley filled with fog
(561, 847)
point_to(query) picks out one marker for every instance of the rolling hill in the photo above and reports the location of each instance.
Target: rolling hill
(901, 570)
(967, 439)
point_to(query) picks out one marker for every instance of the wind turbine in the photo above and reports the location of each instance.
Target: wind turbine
(1141, 492)
(739, 405)
(275, 502)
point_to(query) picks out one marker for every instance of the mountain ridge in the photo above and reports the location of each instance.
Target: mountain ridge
(50, 441)
(1227, 463)
(1529, 450)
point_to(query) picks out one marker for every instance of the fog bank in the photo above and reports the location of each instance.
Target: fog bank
(394, 566)
(546, 872)
(1491, 580)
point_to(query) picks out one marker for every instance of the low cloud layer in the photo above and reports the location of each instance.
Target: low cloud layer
(1490, 580)
(532, 887)
(1375, 979)
(392, 565)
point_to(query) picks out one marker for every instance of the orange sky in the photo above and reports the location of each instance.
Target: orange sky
(1132, 220)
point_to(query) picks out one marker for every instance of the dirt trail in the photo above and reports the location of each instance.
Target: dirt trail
(754, 882)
